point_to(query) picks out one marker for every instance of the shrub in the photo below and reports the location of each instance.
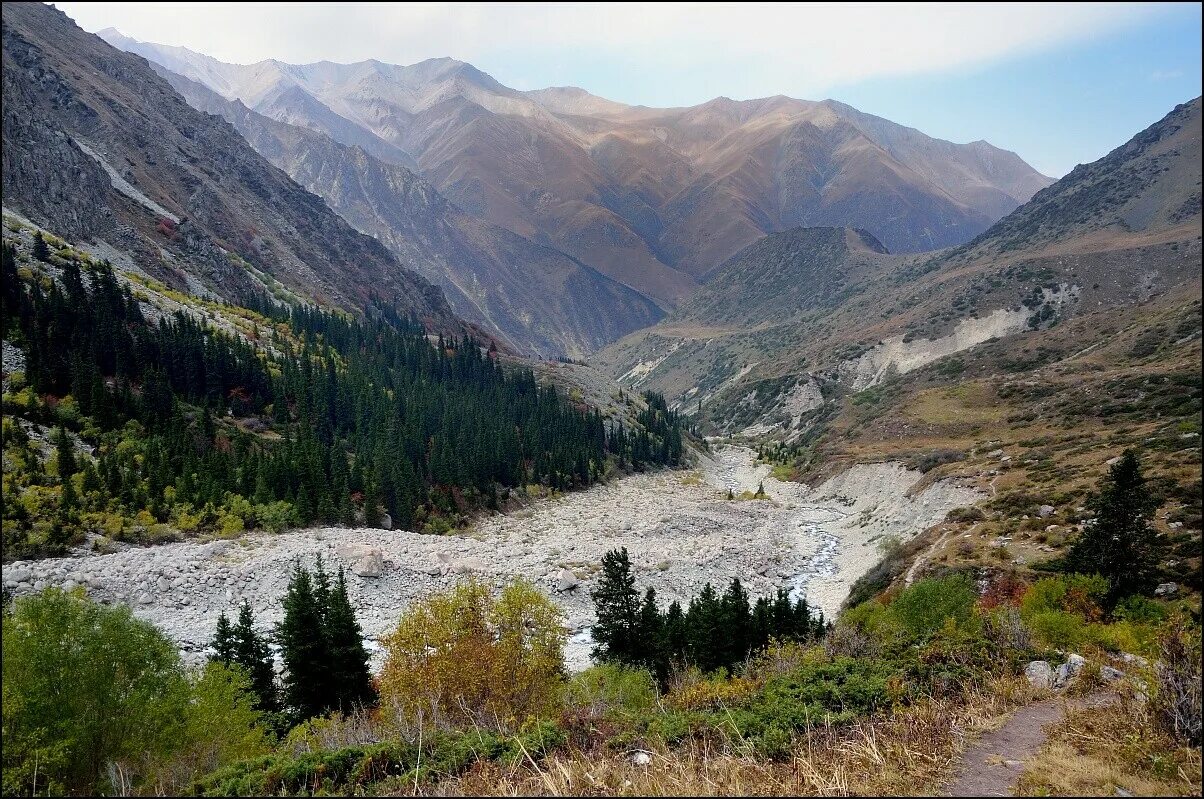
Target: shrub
(923, 608)
(1073, 593)
(1177, 699)
(466, 658)
(612, 688)
(1056, 628)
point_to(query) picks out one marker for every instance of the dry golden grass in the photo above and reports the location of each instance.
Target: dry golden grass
(1096, 750)
(907, 753)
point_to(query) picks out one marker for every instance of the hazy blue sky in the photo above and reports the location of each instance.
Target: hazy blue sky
(1058, 83)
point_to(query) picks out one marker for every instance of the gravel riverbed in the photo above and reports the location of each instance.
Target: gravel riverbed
(679, 529)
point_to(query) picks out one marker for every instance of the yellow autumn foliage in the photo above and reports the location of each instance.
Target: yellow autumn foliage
(467, 658)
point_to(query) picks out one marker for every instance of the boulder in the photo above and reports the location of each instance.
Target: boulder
(1109, 674)
(1134, 660)
(1039, 674)
(1166, 589)
(13, 576)
(1069, 670)
(566, 580)
(370, 565)
(145, 599)
(473, 564)
(1045, 511)
(641, 758)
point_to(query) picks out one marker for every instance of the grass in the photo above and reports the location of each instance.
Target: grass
(1096, 751)
(910, 751)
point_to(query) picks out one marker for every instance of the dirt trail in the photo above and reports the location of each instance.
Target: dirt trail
(992, 764)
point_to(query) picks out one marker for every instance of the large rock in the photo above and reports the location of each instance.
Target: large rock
(1039, 674)
(566, 580)
(1069, 670)
(1045, 511)
(364, 560)
(1109, 674)
(1166, 589)
(473, 564)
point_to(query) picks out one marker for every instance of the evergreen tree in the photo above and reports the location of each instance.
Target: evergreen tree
(64, 454)
(223, 641)
(1120, 545)
(650, 637)
(736, 622)
(40, 250)
(705, 642)
(617, 606)
(351, 680)
(252, 653)
(303, 649)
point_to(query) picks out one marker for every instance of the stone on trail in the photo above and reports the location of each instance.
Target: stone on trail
(1039, 674)
(1069, 670)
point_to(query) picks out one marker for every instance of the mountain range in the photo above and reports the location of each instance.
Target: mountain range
(654, 199)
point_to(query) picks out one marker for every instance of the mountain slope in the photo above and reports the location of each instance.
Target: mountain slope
(799, 308)
(537, 299)
(653, 198)
(99, 148)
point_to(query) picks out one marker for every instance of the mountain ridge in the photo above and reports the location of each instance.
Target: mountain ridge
(652, 198)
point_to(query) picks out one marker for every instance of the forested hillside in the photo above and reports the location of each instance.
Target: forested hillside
(166, 423)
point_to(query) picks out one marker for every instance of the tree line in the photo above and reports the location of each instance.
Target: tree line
(713, 632)
(376, 421)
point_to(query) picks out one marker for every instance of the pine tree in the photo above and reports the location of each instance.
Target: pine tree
(1120, 545)
(617, 606)
(303, 649)
(252, 653)
(350, 677)
(40, 250)
(223, 641)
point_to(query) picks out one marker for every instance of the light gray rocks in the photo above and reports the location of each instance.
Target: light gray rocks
(1166, 589)
(566, 581)
(365, 561)
(1039, 674)
(1068, 670)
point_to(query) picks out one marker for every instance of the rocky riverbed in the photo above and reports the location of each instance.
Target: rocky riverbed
(679, 528)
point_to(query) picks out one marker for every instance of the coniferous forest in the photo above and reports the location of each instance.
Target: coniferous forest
(330, 419)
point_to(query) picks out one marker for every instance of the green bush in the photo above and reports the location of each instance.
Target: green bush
(612, 688)
(923, 608)
(1056, 628)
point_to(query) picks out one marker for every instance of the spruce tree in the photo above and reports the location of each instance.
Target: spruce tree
(64, 454)
(617, 606)
(223, 641)
(303, 649)
(1120, 545)
(704, 630)
(251, 651)
(350, 677)
(650, 637)
(736, 624)
(40, 250)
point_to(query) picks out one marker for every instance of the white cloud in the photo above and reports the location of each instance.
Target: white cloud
(749, 48)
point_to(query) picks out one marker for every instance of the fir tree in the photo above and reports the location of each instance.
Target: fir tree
(303, 649)
(650, 637)
(223, 641)
(617, 606)
(351, 680)
(1120, 545)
